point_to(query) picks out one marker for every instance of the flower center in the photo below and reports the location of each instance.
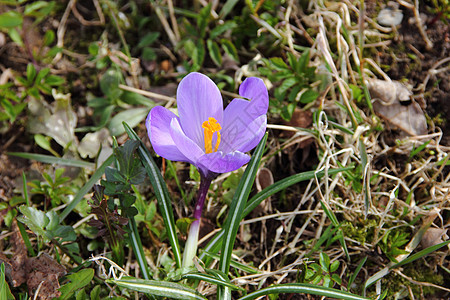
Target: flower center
(209, 127)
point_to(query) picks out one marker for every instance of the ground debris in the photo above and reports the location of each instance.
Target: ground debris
(40, 273)
(392, 101)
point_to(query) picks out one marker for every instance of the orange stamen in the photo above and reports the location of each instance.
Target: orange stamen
(210, 127)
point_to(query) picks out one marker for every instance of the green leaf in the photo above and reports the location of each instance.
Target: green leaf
(77, 281)
(334, 266)
(109, 83)
(419, 254)
(15, 36)
(53, 80)
(303, 288)
(44, 143)
(356, 272)
(167, 289)
(218, 30)
(211, 279)
(161, 193)
(279, 64)
(214, 52)
(85, 189)
(292, 60)
(303, 62)
(133, 117)
(95, 293)
(10, 19)
(238, 205)
(35, 219)
(48, 159)
(230, 49)
(130, 167)
(336, 278)
(136, 244)
(31, 73)
(49, 37)
(287, 111)
(148, 54)
(324, 261)
(226, 8)
(34, 6)
(136, 99)
(309, 96)
(5, 292)
(202, 19)
(148, 39)
(287, 83)
(366, 175)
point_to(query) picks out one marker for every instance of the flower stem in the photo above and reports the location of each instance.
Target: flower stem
(190, 249)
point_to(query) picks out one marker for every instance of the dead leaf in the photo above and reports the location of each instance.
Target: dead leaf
(433, 236)
(391, 103)
(58, 122)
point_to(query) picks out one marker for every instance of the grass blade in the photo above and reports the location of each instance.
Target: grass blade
(86, 188)
(136, 244)
(419, 254)
(358, 268)
(236, 265)
(211, 279)
(161, 193)
(171, 290)
(238, 205)
(49, 159)
(303, 288)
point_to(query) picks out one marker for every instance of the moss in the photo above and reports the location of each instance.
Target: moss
(418, 271)
(360, 231)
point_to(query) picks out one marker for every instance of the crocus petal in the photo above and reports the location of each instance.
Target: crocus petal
(217, 162)
(158, 128)
(240, 113)
(254, 89)
(243, 137)
(198, 99)
(184, 144)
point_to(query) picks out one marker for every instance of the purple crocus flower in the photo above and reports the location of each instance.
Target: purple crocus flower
(211, 138)
(204, 134)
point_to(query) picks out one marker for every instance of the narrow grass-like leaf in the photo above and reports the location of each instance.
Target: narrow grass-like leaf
(161, 193)
(238, 205)
(86, 188)
(358, 268)
(330, 214)
(211, 279)
(215, 243)
(226, 8)
(167, 289)
(5, 292)
(236, 265)
(375, 277)
(366, 176)
(25, 190)
(419, 254)
(415, 151)
(303, 288)
(25, 238)
(136, 244)
(49, 159)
